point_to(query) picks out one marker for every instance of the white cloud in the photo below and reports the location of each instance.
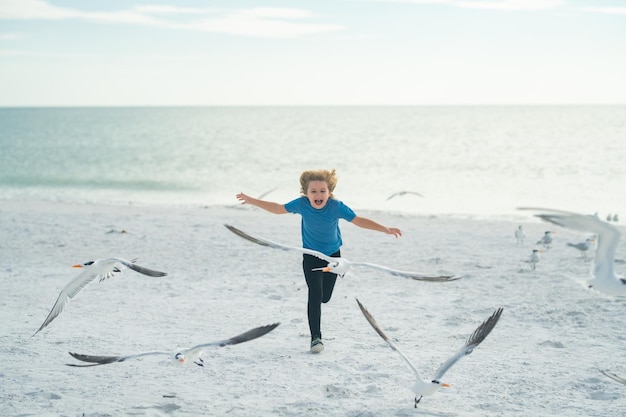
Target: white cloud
(491, 4)
(510, 4)
(33, 9)
(255, 22)
(606, 10)
(261, 22)
(10, 36)
(160, 9)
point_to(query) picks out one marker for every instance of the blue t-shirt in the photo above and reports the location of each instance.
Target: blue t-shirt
(320, 227)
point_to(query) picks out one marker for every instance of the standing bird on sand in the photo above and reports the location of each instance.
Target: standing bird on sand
(583, 247)
(519, 235)
(424, 387)
(546, 239)
(101, 269)
(534, 258)
(603, 276)
(180, 356)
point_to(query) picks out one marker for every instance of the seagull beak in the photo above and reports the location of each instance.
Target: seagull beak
(77, 266)
(181, 360)
(446, 385)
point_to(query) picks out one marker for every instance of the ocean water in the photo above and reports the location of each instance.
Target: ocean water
(463, 160)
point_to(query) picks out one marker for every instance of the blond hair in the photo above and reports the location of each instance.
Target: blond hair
(329, 177)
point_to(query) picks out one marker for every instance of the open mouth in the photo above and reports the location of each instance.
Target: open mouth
(318, 202)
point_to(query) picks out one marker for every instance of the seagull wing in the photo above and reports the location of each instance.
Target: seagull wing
(382, 334)
(607, 236)
(70, 291)
(407, 274)
(614, 377)
(474, 340)
(240, 338)
(270, 244)
(142, 270)
(104, 360)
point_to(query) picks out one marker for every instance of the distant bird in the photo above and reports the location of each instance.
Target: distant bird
(614, 377)
(534, 258)
(401, 193)
(608, 217)
(615, 218)
(260, 197)
(340, 266)
(603, 277)
(546, 239)
(426, 387)
(583, 247)
(519, 235)
(100, 269)
(181, 356)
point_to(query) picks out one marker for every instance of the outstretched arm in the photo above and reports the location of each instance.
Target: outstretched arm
(366, 223)
(265, 205)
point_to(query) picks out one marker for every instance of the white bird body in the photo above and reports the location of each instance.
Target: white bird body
(603, 276)
(424, 387)
(180, 356)
(100, 269)
(340, 266)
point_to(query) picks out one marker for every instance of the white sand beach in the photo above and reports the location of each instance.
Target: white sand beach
(543, 358)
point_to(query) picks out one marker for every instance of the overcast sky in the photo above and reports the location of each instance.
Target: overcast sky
(312, 52)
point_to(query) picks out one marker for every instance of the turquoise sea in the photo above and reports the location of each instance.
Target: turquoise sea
(463, 160)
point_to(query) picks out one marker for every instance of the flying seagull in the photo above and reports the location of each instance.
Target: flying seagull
(181, 356)
(614, 377)
(100, 269)
(401, 193)
(340, 266)
(424, 387)
(603, 276)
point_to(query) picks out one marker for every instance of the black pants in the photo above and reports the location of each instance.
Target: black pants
(321, 285)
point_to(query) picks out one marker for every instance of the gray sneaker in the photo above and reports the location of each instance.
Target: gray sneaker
(316, 345)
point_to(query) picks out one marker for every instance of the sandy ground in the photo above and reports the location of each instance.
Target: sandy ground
(543, 358)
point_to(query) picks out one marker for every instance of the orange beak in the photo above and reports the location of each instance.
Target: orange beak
(446, 385)
(77, 266)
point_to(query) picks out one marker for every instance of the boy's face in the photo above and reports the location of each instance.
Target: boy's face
(317, 193)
